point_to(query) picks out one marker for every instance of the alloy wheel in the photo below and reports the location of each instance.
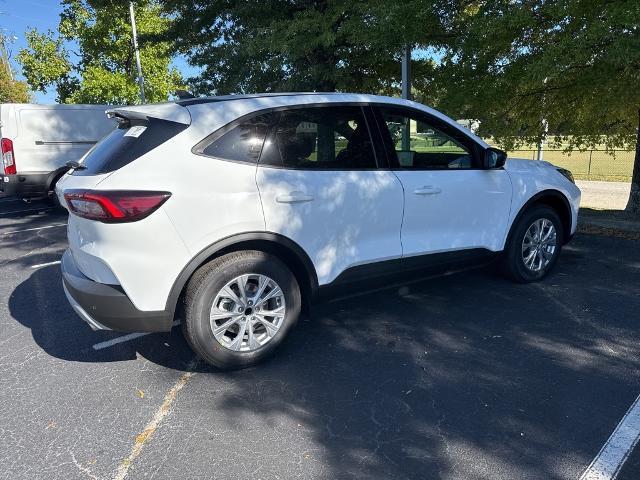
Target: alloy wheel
(247, 312)
(539, 245)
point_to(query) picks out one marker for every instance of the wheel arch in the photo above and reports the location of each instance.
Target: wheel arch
(554, 199)
(288, 251)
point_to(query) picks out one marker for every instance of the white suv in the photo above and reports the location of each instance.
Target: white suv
(242, 209)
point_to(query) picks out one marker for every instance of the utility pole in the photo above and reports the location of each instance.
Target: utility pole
(137, 52)
(406, 73)
(545, 126)
(5, 55)
(406, 94)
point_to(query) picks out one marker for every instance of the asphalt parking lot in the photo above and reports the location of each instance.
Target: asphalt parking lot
(462, 377)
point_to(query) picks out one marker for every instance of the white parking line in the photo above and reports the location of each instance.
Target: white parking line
(35, 228)
(124, 338)
(115, 341)
(611, 458)
(151, 427)
(45, 264)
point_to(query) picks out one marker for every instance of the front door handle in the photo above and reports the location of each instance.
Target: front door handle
(294, 197)
(427, 190)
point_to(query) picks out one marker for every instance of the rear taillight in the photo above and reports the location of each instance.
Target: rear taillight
(8, 158)
(111, 206)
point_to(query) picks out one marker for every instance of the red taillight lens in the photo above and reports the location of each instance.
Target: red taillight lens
(111, 206)
(8, 158)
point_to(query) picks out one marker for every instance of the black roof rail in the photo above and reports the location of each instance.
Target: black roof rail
(225, 98)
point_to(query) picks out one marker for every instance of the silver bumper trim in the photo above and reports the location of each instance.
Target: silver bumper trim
(81, 312)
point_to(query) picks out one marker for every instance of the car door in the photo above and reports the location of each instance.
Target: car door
(320, 186)
(451, 203)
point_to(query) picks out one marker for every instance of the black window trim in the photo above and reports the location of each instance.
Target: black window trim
(466, 140)
(381, 163)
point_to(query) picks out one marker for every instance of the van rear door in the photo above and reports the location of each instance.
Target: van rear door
(48, 137)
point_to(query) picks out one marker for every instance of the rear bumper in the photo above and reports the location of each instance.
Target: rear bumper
(24, 185)
(107, 307)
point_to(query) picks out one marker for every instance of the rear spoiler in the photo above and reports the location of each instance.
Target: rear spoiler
(170, 111)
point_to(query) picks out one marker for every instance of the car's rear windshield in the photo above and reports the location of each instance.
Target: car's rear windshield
(127, 143)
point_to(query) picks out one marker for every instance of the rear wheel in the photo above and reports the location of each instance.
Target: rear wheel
(534, 245)
(239, 308)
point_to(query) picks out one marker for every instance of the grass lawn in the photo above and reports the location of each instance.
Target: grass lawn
(589, 165)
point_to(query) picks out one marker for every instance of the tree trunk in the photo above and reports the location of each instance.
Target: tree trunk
(633, 206)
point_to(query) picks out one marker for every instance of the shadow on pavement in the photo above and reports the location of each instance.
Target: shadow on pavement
(39, 303)
(465, 376)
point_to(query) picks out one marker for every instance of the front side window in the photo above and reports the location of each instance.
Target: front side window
(416, 144)
(243, 142)
(329, 138)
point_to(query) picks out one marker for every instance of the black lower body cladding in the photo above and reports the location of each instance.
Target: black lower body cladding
(107, 306)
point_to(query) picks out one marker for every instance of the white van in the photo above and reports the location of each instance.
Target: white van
(38, 140)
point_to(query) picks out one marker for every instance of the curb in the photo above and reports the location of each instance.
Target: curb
(589, 228)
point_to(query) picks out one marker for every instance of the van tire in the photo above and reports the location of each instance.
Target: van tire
(207, 284)
(52, 198)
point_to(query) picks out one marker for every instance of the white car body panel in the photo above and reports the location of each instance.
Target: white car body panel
(352, 217)
(467, 209)
(204, 212)
(530, 177)
(356, 217)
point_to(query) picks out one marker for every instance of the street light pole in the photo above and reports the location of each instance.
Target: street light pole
(137, 52)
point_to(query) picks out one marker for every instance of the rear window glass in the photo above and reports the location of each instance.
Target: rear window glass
(242, 143)
(123, 145)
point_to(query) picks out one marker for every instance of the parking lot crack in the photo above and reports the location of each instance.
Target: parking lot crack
(84, 470)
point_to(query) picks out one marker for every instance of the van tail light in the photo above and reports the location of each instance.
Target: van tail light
(114, 206)
(8, 158)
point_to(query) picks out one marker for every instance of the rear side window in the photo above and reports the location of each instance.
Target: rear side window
(241, 143)
(124, 144)
(320, 138)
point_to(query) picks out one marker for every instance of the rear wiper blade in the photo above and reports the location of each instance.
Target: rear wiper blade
(75, 165)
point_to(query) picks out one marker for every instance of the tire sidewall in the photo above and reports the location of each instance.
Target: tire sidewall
(206, 343)
(522, 273)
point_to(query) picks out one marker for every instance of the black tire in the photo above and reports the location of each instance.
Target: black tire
(513, 264)
(202, 289)
(54, 201)
(52, 198)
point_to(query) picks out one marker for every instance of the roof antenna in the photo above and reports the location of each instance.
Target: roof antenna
(184, 95)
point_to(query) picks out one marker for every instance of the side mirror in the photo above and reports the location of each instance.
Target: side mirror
(494, 158)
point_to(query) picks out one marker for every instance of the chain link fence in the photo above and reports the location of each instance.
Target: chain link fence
(612, 165)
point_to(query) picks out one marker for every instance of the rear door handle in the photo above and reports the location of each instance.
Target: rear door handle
(294, 197)
(427, 190)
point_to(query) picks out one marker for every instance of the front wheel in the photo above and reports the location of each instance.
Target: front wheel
(534, 245)
(239, 308)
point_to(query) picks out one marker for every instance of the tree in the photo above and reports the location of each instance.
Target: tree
(12, 91)
(575, 63)
(103, 69)
(280, 45)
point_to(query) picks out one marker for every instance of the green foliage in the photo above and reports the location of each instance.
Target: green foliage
(47, 63)
(276, 45)
(103, 70)
(574, 63)
(12, 91)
